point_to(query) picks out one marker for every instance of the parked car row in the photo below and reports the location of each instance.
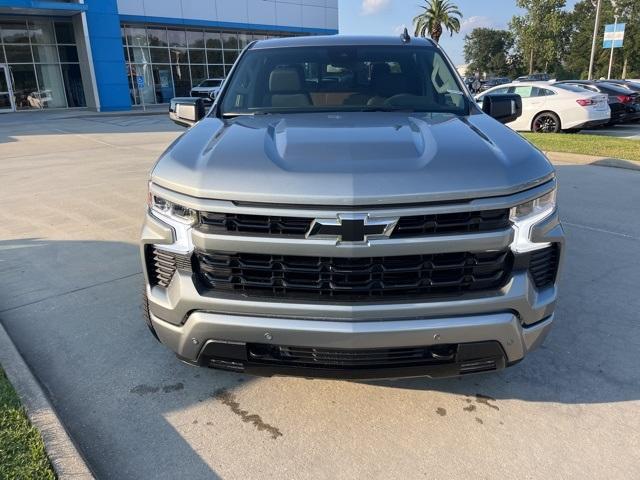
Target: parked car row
(572, 105)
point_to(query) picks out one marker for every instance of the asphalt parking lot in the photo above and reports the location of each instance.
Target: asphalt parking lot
(630, 131)
(73, 193)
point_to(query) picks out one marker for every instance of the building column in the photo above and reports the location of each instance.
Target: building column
(105, 53)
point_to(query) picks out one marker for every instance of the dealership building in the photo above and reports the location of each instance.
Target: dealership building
(110, 55)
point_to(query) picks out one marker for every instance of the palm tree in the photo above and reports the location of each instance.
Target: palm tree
(436, 14)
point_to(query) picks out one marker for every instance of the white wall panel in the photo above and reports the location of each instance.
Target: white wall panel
(232, 11)
(131, 7)
(199, 9)
(163, 8)
(313, 17)
(288, 14)
(262, 12)
(332, 18)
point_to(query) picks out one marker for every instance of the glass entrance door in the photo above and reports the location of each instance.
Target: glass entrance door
(6, 91)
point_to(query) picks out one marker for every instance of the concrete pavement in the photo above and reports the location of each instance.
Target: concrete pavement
(73, 194)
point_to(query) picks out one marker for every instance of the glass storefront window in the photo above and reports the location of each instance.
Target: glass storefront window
(179, 58)
(157, 37)
(181, 80)
(212, 40)
(18, 53)
(64, 33)
(25, 87)
(163, 83)
(73, 85)
(198, 74)
(41, 31)
(136, 36)
(43, 61)
(197, 56)
(243, 40)
(159, 55)
(68, 53)
(195, 38)
(214, 56)
(177, 38)
(14, 31)
(230, 41)
(216, 71)
(230, 56)
(46, 54)
(51, 91)
(139, 54)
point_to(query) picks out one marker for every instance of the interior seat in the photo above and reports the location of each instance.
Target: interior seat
(286, 89)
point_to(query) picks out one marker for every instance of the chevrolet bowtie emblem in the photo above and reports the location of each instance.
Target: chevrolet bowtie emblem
(351, 228)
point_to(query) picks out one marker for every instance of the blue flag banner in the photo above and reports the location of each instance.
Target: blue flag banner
(613, 35)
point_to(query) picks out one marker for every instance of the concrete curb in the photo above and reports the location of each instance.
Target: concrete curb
(65, 458)
(592, 160)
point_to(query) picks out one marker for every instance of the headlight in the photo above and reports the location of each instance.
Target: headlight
(526, 215)
(171, 210)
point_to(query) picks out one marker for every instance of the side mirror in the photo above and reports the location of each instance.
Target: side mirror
(504, 107)
(187, 111)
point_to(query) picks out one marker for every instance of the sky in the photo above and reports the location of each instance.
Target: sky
(388, 17)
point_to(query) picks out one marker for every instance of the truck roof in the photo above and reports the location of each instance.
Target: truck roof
(338, 40)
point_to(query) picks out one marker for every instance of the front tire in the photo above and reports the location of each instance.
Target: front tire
(546, 122)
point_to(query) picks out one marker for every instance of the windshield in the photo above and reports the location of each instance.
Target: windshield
(345, 78)
(210, 83)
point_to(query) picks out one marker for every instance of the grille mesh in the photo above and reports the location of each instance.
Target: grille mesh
(354, 358)
(543, 266)
(412, 226)
(353, 278)
(162, 265)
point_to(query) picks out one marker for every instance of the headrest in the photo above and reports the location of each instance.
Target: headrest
(285, 80)
(378, 69)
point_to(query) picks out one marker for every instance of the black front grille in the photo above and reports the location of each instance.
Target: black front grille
(353, 279)
(453, 223)
(353, 358)
(412, 226)
(163, 264)
(543, 265)
(229, 223)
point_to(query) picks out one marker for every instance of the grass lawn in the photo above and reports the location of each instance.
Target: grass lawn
(22, 453)
(598, 145)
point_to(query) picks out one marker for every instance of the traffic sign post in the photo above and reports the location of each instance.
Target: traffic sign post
(613, 38)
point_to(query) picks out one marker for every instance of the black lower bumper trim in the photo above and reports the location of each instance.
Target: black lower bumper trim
(469, 358)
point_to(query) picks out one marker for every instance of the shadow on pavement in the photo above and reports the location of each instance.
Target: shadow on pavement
(73, 310)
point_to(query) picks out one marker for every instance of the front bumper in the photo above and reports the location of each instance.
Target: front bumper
(195, 341)
(516, 317)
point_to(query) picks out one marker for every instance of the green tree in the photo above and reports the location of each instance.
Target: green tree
(488, 50)
(435, 15)
(541, 33)
(626, 59)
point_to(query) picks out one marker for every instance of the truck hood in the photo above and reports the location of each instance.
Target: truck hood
(359, 158)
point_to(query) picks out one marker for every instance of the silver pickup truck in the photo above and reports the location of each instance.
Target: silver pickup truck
(345, 209)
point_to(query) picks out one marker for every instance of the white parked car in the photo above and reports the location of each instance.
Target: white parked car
(208, 88)
(551, 108)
